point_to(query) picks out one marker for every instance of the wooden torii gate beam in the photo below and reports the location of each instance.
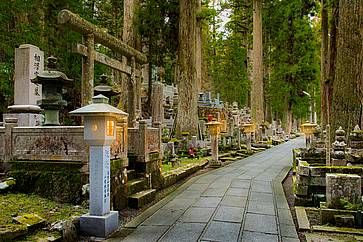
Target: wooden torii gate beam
(92, 34)
(86, 28)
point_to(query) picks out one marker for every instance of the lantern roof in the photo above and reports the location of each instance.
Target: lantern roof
(51, 74)
(99, 107)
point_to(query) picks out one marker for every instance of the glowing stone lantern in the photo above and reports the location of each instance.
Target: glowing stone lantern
(248, 129)
(214, 128)
(308, 129)
(99, 132)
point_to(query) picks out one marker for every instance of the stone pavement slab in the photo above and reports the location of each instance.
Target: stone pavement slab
(222, 231)
(260, 223)
(145, 234)
(234, 201)
(258, 237)
(184, 232)
(229, 214)
(208, 202)
(243, 201)
(198, 215)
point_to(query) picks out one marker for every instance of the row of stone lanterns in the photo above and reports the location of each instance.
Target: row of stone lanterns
(215, 127)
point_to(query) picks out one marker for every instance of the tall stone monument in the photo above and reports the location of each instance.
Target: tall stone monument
(29, 61)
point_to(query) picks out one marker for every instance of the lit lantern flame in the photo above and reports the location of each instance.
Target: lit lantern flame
(110, 127)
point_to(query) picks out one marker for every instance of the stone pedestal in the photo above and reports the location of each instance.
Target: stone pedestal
(214, 145)
(25, 119)
(342, 186)
(100, 226)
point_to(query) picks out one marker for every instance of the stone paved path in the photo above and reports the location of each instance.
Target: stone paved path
(243, 201)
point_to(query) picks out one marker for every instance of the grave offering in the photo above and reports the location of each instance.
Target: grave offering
(99, 132)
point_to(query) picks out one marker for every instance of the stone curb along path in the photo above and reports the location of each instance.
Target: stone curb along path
(243, 201)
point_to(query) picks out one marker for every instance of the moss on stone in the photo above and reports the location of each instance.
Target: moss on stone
(19, 204)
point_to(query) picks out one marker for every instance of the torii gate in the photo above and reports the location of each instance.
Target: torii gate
(93, 34)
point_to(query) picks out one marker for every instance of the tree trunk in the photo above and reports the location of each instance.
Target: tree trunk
(187, 115)
(129, 37)
(346, 105)
(198, 46)
(328, 88)
(257, 81)
(324, 62)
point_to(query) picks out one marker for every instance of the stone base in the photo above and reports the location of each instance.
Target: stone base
(99, 226)
(215, 164)
(25, 119)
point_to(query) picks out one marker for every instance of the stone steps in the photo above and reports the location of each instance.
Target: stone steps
(136, 185)
(139, 199)
(131, 175)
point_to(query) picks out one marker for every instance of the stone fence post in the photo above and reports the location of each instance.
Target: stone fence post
(9, 124)
(143, 140)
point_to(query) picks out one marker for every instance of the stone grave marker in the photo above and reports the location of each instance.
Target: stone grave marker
(29, 61)
(342, 186)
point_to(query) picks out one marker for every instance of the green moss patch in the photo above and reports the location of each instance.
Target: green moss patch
(184, 162)
(13, 205)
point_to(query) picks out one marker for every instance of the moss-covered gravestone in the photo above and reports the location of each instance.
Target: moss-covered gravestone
(342, 186)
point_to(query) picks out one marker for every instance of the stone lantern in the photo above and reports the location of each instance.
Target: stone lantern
(52, 82)
(308, 129)
(104, 88)
(248, 129)
(99, 132)
(214, 128)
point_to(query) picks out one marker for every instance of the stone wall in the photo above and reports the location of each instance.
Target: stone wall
(310, 180)
(49, 144)
(53, 161)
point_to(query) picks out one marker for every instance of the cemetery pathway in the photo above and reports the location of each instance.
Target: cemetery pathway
(243, 201)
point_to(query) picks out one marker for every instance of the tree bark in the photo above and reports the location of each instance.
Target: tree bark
(346, 100)
(328, 87)
(198, 43)
(187, 115)
(257, 79)
(324, 62)
(129, 36)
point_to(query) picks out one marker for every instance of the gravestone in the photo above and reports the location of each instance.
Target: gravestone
(29, 61)
(342, 186)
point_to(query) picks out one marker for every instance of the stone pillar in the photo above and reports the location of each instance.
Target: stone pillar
(214, 146)
(10, 123)
(194, 141)
(29, 61)
(248, 142)
(157, 103)
(99, 203)
(344, 186)
(142, 156)
(327, 146)
(132, 96)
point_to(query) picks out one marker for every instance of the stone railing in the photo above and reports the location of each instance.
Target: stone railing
(60, 143)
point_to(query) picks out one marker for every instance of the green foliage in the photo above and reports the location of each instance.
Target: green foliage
(157, 22)
(350, 206)
(293, 54)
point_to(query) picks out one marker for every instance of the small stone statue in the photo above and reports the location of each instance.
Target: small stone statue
(339, 146)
